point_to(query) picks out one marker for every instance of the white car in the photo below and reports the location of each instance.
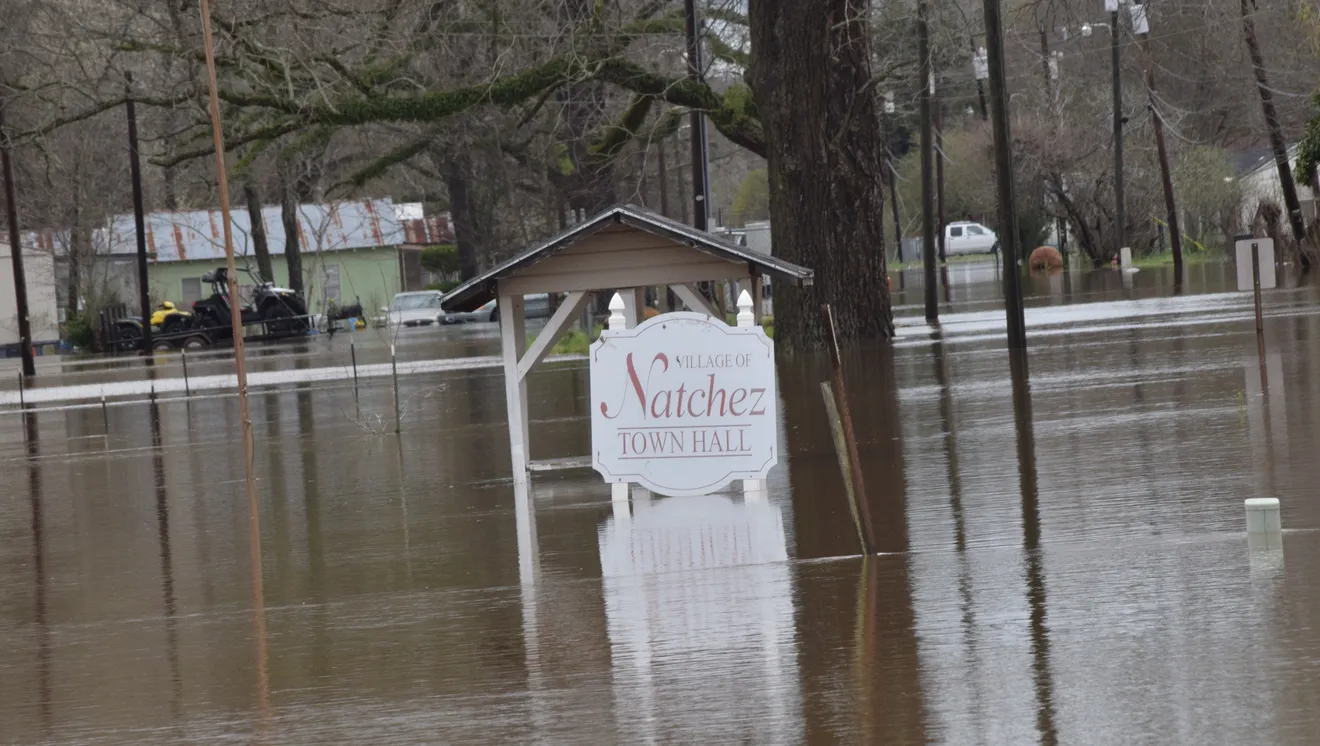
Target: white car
(965, 237)
(420, 308)
(536, 305)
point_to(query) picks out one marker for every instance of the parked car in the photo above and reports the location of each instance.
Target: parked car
(420, 308)
(535, 306)
(964, 237)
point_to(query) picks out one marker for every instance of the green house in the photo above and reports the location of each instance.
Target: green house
(352, 252)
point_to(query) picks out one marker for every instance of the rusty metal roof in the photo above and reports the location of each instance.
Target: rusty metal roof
(198, 234)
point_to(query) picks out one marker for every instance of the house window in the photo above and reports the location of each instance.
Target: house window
(192, 290)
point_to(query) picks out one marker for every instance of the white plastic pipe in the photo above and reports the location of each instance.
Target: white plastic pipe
(1263, 515)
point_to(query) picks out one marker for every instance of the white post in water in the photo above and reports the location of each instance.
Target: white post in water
(1125, 258)
(1263, 516)
(617, 321)
(753, 489)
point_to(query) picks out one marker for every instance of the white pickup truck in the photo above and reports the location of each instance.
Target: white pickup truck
(965, 237)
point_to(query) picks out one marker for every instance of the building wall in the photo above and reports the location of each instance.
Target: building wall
(43, 314)
(371, 275)
(1263, 185)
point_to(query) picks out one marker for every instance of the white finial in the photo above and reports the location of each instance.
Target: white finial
(745, 317)
(617, 321)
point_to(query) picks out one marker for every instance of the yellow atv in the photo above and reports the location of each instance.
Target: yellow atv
(169, 319)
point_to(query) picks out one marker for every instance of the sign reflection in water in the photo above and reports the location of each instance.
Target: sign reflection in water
(698, 600)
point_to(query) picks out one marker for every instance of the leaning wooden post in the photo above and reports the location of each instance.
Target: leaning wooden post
(240, 363)
(753, 489)
(618, 322)
(844, 430)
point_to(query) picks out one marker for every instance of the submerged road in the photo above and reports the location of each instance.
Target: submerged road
(177, 384)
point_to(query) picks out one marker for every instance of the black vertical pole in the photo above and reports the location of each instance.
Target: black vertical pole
(16, 253)
(1008, 232)
(927, 166)
(139, 219)
(700, 166)
(1120, 224)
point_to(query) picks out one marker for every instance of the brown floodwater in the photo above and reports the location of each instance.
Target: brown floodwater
(1064, 558)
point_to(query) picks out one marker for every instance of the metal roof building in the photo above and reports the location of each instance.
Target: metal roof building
(198, 234)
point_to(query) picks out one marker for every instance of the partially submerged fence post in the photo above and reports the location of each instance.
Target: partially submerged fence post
(394, 369)
(352, 351)
(105, 415)
(845, 439)
(187, 390)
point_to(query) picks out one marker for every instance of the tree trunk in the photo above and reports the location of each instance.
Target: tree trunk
(461, 210)
(1277, 144)
(811, 73)
(77, 250)
(292, 239)
(260, 247)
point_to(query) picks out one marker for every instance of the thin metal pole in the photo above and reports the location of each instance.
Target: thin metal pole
(139, 217)
(700, 161)
(394, 369)
(240, 365)
(1120, 224)
(16, 253)
(927, 165)
(352, 352)
(1255, 288)
(1008, 232)
(105, 415)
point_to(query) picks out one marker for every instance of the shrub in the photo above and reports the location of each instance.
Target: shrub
(442, 259)
(444, 286)
(79, 332)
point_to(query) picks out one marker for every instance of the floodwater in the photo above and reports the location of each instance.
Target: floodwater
(1064, 557)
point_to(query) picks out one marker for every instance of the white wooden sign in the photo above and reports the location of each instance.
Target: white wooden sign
(1265, 251)
(683, 404)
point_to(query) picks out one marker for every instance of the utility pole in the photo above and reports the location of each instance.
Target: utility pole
(926, 81)
(939, 175)
(1141, 26)
(1120, 220)
(980, 71)
(700, 161)
(139, 217)
(1051, 63)
(1008, 232)
(1277, 144)
(16, 253)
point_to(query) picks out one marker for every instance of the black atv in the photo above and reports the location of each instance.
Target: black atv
(280, 309)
